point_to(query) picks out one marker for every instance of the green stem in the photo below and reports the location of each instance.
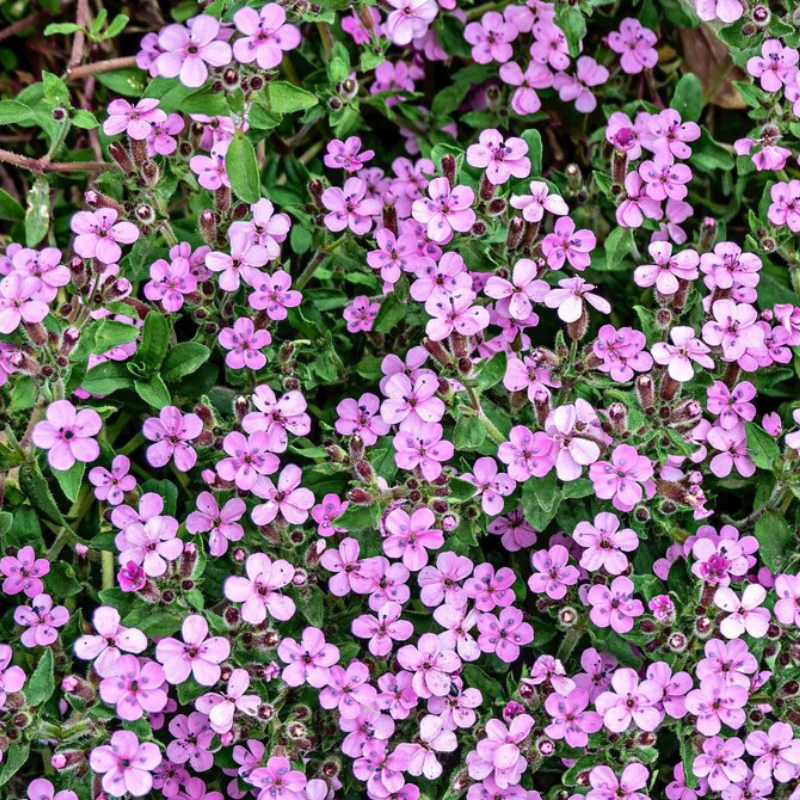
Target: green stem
(477, 409)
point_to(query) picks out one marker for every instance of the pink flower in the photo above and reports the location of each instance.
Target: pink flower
(567, 244)
(597, 677)
(287, 498)
(99, 235)
(325, 512)
(360, 418)
(492, 486)
(442, 583)
(745, 616)
(504, 636)
(105, 647)
(720, 763)
(635, 44)
(170, 282)
(491, 39)
(434, 738)
(40, 620)
(668, 271)
(604, 544)
(515, 296)
(192, 742)
(734, 327)
(525, 99)
(455, 313)
(716, 703)
(278, 779)
(614, 605)
(360, 314)
(272, 294)
(571, 720)
(249, 460)
(726, 11)
(278, 417)
(346, 155)
(785, 207)
(125, 764)
(447, 210)
(352, 574)
(606, 786)
(665, 178)
(111, 486)
(787, 609)
(576, 88)
(679, 355)
(778, 752)
(575, 431)
(23, 572)
(774, 66)
(732, 445)
(198, 654)
(732, 661)
(527, 454)
(42, 789)
(12, 679)
(431, 665)
(245, 344)
(173, 433)
(501, 158)
(396, 254)
(666, 131)
(134, 687)
(549, 45)
(349, 207)
(569, 299)
(259, 590)
(308, 661)
(136, 120)
(534, 205)
(499, 753)
(424, 449)
(152, 543)
(68, 434)
(631, 701)
(552, 574)
(161, 140)
(620, 479)
(383, 630)
(211, 170)
(410, 20)
(189, 51)
(410, 537)
(731, 406)
(243, 262)
(348, 690)
(266, 36)
(221, 708)
(222, 524)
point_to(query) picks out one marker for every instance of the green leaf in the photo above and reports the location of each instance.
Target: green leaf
(107, 378)
(242, 166)
(461, 490)
(61, 27)
(572, 22)
(71, 480)
(117, 26)
(540, 500)
(617, 246)
(41, 686)
(392, 310)
(761, 447)
(56, 92)
(286, 98)
(356, 518)
(183, 359)
(155, 625)
(15, 758)
(35, 487)
(12, 111)
(688, 97)
(534, 141)
(128, 82)
(37, 217)
(154, 392)
(155, 340)
(492, 371)
(10, 209)
(85, 120)
(775, 540)
(312, 606)
(470, 433)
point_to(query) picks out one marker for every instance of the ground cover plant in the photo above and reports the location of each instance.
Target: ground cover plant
(399, 400)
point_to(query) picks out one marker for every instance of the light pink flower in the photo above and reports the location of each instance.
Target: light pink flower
(68, 434)
(187, 52)
(134, 686)
(447, 210)
(40, 621)
(410, 536)
(287, 498)
(266, 36)
(24, 572)
(105, 647)
(125, 764)
(173, 433)
(198, 654)
(259, 591)
(614, 605)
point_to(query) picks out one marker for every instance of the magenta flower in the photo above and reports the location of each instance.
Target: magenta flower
(112, 485)
(785, 207)
(360, 418)
(46, 268)
(620, 479)
(504, 636)
(774, 66)
(40, 619)
(383, 630)
(245, 344)
(715, 703)
(243, 262)
(423, 449)
(134, 688)
(360, 314)
(348, 690)
(614, 605)
(516, 297)
(221, 524)
(732, 445)
(527, 454)
(248, 460)
(664, 178)
(606, 786)
(552, 574)
(68, 434)
(570, 719)
(161, 140)
(409, 20)
(604, 544)
(540, 199)
(287, 498)
(492, 486)
(187, 52)
(136, 120)
(24, 572)
(278, 779)
(351, 573)
(266, 36)
(550, 45)
(679, 355)
(734, 328)
(666, 131)
(12, 679)
(442, 583)
(173, 434)
(192, 741)
(395, 255)
(491, 39)
(744, 614)
(732, 406)
(720, 764)
(105, 648)
(170, 282)
(221, 708)
(501, 158)
(99, 235)
(635, 44)
(211, 171)
(447, 210)
(309, 661)
(525, 99)
(577, 88)
(125, 764)
(787, 609)
(430, 664)
(198, 654)
(325, 512)
(489, 589)
(567, 244)
(631, 701)
(668, 270)
(349, 207)
(259, 590)
(778, 752)
(411, 404)
(278, 417)
(499, 754)
(410, 536)
(347, 155)
(272, 294)
(570, 297)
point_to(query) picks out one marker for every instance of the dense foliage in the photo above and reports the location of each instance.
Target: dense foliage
(400, 400)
